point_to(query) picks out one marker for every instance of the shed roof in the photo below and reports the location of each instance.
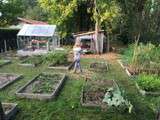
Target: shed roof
(37, 30)
(86, 33)
(29, 21)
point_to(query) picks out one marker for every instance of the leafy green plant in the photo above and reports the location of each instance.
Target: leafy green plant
(149, 82)
(143, 56)
(115, 98)
(128, 53)
(58, 57)
(33, 60)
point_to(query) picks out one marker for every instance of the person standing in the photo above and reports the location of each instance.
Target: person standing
(77, 57)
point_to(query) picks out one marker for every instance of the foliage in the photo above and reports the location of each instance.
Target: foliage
(143, 56)
(107, 13)
(10, 10)
(55, 58)
(32, 10)
(140, 17)
(115, 98)
(127, 53)
(60, 12)
(33, 60)
(149, 82)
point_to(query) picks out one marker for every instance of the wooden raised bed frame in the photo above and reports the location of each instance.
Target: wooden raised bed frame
(61, 67)
(29, 65)
(10, 82)
(43, 96)
(91, 104)
(12, 112)
(139, 70)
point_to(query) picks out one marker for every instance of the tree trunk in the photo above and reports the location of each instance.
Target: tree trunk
(2, 115)
(97, 38)
(97, 28)
(108, 43)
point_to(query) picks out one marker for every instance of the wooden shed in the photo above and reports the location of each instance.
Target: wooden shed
(89, 42)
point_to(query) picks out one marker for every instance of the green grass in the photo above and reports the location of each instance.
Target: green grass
(67, 105)
(2, 61)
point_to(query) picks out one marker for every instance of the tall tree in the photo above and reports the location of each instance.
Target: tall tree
(60, 12)
(105, 13)
(10, 10)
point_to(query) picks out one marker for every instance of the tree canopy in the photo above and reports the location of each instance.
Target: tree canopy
(129, 19)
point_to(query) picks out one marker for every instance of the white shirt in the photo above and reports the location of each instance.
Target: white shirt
(77, 53)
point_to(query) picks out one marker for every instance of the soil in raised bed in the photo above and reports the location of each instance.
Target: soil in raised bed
(5, 78)
(44, 83)
(94, 92)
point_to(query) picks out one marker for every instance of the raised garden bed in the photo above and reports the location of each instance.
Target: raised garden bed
(45, 86)
(10, 110)
(132, 72)
(93, 96)
(32, 61)
(144, 92)
(99, 66)
(8, 78)
(4, 62)
(66, 66)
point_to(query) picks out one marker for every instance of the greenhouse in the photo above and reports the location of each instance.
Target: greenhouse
(37, 39)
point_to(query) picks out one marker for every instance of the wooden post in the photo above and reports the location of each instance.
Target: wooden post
(48, 45)
(17, 42)
(108, 46)
(5, 45)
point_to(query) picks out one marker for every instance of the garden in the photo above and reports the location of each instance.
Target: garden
(142, 62)
(104, 89)
(116, 41)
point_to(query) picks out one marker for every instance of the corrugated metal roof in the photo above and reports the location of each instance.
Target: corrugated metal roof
(37, 30)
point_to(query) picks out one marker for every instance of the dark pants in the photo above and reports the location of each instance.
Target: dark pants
(77, 65)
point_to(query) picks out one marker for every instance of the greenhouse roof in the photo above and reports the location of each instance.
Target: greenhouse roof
(37, 30)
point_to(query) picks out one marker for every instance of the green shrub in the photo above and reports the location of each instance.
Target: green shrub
(149, 82)
(128, 53)
(33, 60)
(58, 57)
(145, 56)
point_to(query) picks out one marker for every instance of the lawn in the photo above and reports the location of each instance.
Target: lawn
(67, 105)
